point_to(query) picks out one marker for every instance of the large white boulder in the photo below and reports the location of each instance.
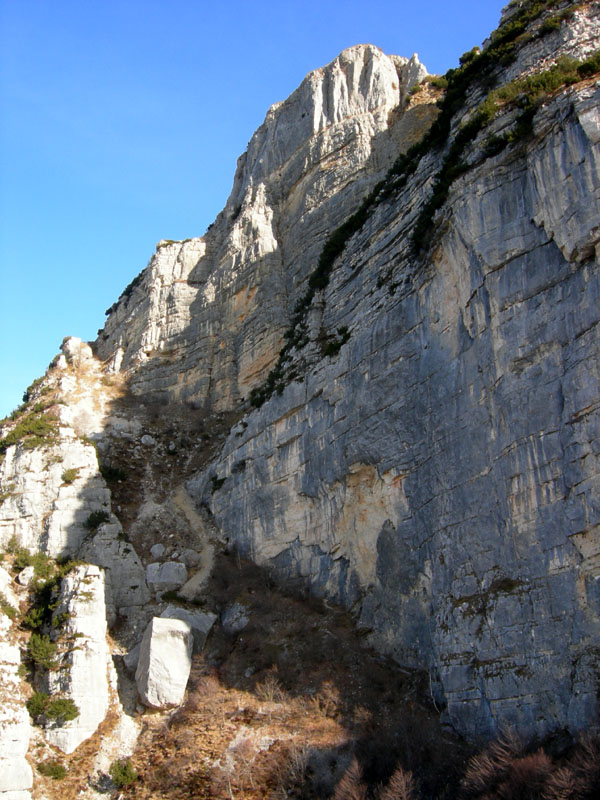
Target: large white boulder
(164, 662)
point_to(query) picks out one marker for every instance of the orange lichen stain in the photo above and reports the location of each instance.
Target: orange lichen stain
(242, 301)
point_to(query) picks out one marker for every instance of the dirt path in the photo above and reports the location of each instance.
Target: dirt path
(184, 503)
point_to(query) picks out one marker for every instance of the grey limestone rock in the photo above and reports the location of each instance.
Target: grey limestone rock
(166, 576)
(200, 622)
(234, 619)
(157, 550)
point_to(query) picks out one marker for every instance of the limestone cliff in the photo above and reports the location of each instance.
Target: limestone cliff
(402, 391)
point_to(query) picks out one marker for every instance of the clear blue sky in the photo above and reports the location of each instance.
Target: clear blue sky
(121, 122)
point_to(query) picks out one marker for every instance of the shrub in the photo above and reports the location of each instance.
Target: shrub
(112, 474)
(216, 483)
(37, 704)
(401, 786)
(42, 564)
(6, 607)
(69, 475)
(437, 81)
(122, 773)
(62, 709)
(27, 394)
(34, 430)
(351, 787)
(43, 604)
(505, 769)
(95, 519)
(52, 769)
(42, 651)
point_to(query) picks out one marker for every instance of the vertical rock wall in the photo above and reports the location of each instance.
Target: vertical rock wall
(440, 475)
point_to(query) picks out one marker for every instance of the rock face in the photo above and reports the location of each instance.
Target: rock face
(440, 475)
(204, 322)
(16, 777)
(83, 673)
(164, 664)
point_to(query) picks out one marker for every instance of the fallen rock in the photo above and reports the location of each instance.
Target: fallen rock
(165, 662)
(191, 558)
(26, 575)
(199, 621)
(234, 619)
(167, 576)
(131, 658)
(157, 550)
(148, 440)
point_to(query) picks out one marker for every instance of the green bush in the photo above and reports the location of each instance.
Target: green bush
(52, 769)
(6, 607)
(42, 564)
(95, 519)
(62, 709)
(28, 393)
(122, 773)
(69, 475)
(112, 474)
(44, 603)
(37, 704)
(42, 651)
(34, 430)
(437, 81)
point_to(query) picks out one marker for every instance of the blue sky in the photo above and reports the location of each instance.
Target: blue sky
(121, 122)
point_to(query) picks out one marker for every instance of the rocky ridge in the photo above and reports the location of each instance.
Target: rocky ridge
(427, 455)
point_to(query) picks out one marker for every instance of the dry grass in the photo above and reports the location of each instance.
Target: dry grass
(508, 770)
(280, 710)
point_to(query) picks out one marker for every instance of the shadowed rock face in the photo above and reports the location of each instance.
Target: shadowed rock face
(437, 472)
(440, 474)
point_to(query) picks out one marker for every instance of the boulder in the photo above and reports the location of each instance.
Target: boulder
(199, 621)
(234, 619)
(164, 663)
(157, 550)
(191, 558)
(167, 576)
(131, 658)
(26, 575)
